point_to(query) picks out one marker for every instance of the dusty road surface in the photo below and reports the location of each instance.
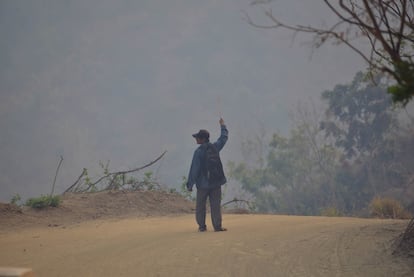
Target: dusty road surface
(254, 245)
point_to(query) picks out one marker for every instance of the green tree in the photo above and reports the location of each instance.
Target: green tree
(385, 25)
(359, 116)
(363, 123)
(296, 177)
(336, 163)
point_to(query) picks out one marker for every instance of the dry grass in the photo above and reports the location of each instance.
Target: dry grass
(388, 208)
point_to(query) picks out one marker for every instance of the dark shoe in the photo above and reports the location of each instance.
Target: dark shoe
(202, 229)
(220, 230)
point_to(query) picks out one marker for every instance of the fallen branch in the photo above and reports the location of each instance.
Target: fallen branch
(77, 181)
(114, 175)
(237, 200)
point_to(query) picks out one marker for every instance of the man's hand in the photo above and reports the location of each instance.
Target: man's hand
(189, 188)
(221, 121)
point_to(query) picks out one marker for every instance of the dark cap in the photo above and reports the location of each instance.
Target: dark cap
(202, 134)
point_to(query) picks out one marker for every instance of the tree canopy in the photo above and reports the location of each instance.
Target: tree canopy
(358, 115)
(337, 162)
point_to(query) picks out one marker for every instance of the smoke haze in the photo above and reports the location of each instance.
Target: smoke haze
(125, 80)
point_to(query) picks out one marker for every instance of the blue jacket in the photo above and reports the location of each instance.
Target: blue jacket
(195, 176)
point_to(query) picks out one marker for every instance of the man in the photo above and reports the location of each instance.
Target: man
(205, 186)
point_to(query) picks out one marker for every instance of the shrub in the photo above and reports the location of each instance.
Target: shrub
(184, 192)
(15, 199)
(43, 201)
(387, 208)
(331, 211)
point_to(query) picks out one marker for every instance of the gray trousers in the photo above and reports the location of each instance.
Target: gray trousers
(214, 196)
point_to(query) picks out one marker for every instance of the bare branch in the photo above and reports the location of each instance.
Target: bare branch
(384, 18)
(345, 19)
(54, 180)
(142, 167)
(322, 34)
(388, 25)
(402, 25)
(76, 182)
(114, 175)
(235, 200)
(376, 32)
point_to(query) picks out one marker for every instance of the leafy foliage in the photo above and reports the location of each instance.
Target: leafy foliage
(403, 91)
(358, 115)
(183, 189)
(331, 212)
(15, 199)
(294, 175)
(43, 201)
(337, 164)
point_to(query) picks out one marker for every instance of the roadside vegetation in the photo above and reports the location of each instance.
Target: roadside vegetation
(130, 180)
(351, 158)
(43, 201)
(369, 157)
(116, 180)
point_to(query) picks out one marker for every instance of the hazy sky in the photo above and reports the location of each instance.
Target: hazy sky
(125, 80)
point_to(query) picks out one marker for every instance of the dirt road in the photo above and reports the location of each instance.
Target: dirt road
(255, 245)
